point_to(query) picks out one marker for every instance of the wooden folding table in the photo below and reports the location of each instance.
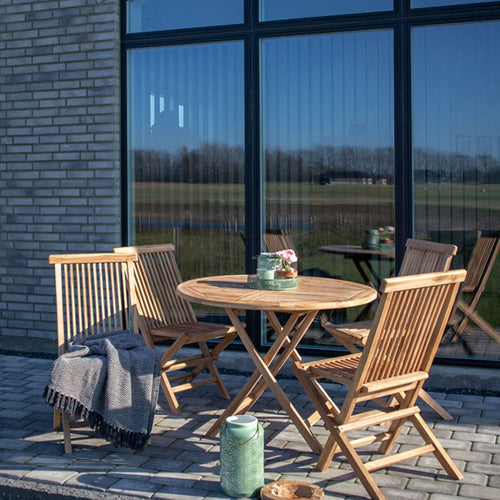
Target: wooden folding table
(302, 303)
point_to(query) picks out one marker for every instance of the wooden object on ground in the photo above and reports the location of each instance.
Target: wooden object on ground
(479, 268)
(95, 294)
(302, 305)
(403, 340)
(164, 316)
(420, 257)
(291, 490)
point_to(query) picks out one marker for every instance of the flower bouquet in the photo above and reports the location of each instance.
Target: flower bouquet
(287, 262)
(386, 235)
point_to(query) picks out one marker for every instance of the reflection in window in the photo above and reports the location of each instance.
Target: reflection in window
(272, 10)
(154, 15)
(186, 153)
(438, 3)
(327, 142)
(456, 138)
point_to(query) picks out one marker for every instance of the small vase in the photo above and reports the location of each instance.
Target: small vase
(372, 239)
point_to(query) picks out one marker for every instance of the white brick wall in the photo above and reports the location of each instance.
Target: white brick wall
(59, 150)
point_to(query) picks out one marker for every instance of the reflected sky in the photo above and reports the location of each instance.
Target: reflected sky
(456, 82)
(272, 10)
(437, 3)
(154, 15)
(333, 89)
(330, 89)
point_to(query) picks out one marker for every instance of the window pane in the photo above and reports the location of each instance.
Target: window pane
(186, 153)
(327, 144)
(154, 15)
(272, 10)
(437, 3)
(456, 147)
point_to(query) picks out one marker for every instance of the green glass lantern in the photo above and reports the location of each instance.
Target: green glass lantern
(241, 456)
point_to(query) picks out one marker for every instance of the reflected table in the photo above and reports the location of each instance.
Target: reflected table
(302, 305)
(363, 260)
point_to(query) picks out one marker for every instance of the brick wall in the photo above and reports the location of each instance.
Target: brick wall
(59, 151)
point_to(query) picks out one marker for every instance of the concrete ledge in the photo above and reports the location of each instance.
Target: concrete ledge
(28, 345)
(443, 377)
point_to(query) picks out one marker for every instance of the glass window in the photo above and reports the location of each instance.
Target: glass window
(186, 153)
(327, 144)
(456, 146)
(155, 15)
(271, 10)
(438, 3)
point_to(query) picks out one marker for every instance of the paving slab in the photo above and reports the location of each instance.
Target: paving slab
(181, 463)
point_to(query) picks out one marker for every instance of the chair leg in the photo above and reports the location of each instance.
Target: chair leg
(339, 438)
(57, 420)
(440, 453)
(66, 433)
(432, 403)
(214, 372)
(169, 394)
(479, 321)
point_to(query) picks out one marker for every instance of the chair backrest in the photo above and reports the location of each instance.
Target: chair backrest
(157, 276)
(481, 262)
(95, 293)
(407, 329)
(276, 240)
(426, 257)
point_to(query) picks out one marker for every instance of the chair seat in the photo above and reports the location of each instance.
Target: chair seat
(354, 332)
(193, 330)
(339, 369)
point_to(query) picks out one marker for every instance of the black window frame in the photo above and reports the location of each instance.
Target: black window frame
(401, 20)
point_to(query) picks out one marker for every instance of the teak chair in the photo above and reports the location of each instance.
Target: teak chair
(403, 340)
(278, 239)
(95, 294)
(479, 267)
(163, 315)
(420, 257)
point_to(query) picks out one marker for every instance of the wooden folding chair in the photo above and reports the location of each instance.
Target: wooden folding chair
(164, 316)
(420, 257)
(403, 340)
(479, 268)
(278, 239)
(95, 294)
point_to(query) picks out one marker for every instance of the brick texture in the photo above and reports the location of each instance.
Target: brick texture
(59, 149)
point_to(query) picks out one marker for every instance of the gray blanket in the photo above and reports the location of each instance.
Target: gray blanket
(112, 381)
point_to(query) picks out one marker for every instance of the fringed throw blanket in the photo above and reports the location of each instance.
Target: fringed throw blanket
(112, 381)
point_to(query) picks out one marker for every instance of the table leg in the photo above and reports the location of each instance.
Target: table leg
(247, 396)
(250, 393)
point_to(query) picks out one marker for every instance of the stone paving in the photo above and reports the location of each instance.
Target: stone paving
(181, 463)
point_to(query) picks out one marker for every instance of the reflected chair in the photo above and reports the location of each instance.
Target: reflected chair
(164, 316)
(420, 257)
(95, 294)
(404, 337)
(278, 239)
(479, 268)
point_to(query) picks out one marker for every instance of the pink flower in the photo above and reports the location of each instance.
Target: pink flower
(287, 255)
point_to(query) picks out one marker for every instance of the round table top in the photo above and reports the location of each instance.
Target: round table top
(311, 294)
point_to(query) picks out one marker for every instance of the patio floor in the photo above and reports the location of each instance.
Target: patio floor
(181, 463)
